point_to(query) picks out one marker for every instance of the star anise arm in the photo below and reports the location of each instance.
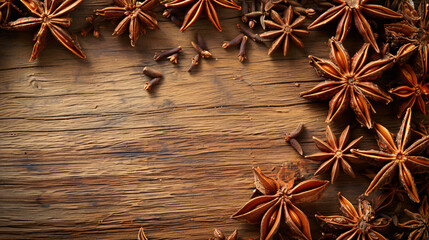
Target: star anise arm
(344, 25)
(379, 11)
(330, 138)
(404, 133)
(365, 30)
(347, 208)
(372, 91)
(24, 23)
(212, 15)
(309, 190)
(148, 5)
(338, 104)
(382, 177)
(347, 168)
(254, 210)
(66, 40)
(123, 26)
(111, 12)
(192, 15)
(326, 68)
(298, 21)
(353, 144)
(179, 3)
(227, 4)
(418, 146)
(384, 139)
(40, 42)
(135, 31)
(271, 34)
(65, 7)
(407, 181)
(412, 224)
(339, 55)
(328, 16)
(336, 222)
(297, 222)
(323, 90)
(149, 21)
(266, 185)
(322, 156)
(362, 108)
(296, 41)
(271, 221)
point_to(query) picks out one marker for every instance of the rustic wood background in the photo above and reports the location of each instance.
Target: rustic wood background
(86, 153)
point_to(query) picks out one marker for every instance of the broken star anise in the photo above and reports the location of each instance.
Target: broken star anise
(419, 225)
(218, 235)
(285, 30)
(335, 153)
(360, 224)
(351, 82)
(399, 157)
(198, 6)
(52, 16)
(412, 92)
(135, 17)
(355, 10)
(277, 204)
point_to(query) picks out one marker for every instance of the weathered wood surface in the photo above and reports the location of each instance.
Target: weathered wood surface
(86, 153)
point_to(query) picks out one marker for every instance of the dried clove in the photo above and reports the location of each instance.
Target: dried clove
(195, 62)
(150, 72)
(173, 58)
(151, 83)
(93, 24)
(235, 41)
(201, 51)
(244, 11)
(167, 53)
(242, 54)
(253, 36)
(291, 138)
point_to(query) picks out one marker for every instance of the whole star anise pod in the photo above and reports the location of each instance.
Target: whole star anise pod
(285, 30)
(335, 153)
(355, 10)
(399, 157)
(51, 16)
(7, 6)
(412, 92)
(351, 82)
(360, 224)
(277, 204)
(198, 6)
(135, 17)
(419, 225)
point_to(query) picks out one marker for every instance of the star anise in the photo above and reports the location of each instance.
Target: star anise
(351, 82)
(388, 194)
(415, 30)
(135, 17)
(419, 225)
(360, 224)
(397, 157)
(277, 204)
(355, 10)
(52, 16)
(412, 92)
(198, 6)
(7, 6)
(285, 30)
(335, 153)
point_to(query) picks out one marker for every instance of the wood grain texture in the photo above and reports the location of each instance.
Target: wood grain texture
(86, 153)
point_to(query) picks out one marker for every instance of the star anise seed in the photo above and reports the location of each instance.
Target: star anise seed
(335, 153)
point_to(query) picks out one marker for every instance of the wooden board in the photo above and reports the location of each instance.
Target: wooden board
(86, 153)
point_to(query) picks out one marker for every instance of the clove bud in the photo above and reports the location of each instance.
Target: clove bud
(150, 72)
(152, 83)
(242, 54)
(235, 41)
(195, 62)
(253, 36)
(167, 53)
(291, 138)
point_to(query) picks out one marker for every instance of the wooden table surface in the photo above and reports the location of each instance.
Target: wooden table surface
(87, 153)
